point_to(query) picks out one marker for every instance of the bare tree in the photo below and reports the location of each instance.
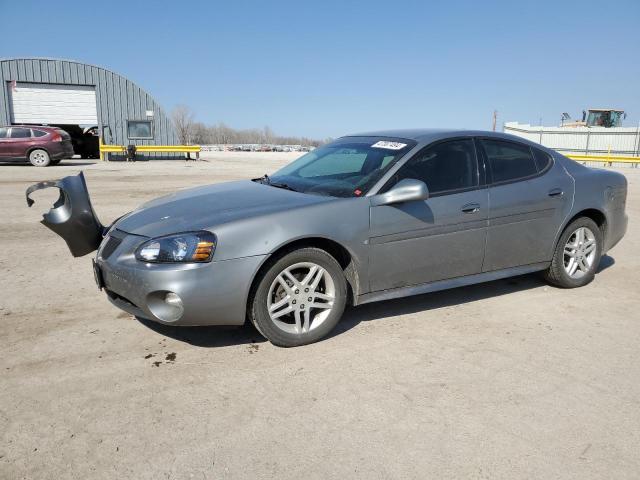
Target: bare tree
(201, 135)
(191, 132)
(222, 134)
(268, 134)
(183, 121)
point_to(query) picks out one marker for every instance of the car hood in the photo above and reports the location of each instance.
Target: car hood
(205, 207)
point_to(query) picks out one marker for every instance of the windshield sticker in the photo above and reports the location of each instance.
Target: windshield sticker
(389, 145)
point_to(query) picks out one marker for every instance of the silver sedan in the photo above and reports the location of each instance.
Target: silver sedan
(367, 217)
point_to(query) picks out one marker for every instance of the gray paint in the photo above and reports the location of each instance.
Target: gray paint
(406, 190)
(521, 203)
(455, 282)
(395, 250)
(73, 218)
(118, 99)
(435, 225)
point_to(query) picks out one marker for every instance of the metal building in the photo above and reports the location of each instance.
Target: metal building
(581, 140)
(77, 96)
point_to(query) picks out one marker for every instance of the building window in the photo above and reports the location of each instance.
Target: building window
(139, 129)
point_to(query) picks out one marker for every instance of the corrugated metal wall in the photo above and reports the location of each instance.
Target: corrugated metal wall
(118, 99)
(581, 140)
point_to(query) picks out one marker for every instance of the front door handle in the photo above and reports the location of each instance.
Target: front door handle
(556, 192)
(471, 208)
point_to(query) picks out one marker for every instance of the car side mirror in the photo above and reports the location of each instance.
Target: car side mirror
(407, 190)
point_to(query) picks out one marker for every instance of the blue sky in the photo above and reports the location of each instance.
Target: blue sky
(328, 68)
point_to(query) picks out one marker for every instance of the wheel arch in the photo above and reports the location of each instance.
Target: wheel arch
(338, 251)
(595, 214)
(37, 147)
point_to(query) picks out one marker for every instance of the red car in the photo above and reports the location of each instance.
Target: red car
(42, 146)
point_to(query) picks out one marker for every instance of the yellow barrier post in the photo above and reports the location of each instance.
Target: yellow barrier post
(153, 148)
(605, 159)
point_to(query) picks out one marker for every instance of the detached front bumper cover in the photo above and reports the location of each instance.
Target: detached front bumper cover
(72, 216)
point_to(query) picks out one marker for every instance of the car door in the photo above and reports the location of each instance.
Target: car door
(442, 237)
(529, 197)
(5, 143)
(19, 141)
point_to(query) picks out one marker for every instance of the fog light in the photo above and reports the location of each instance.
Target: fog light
(173, 299)
(165, 306)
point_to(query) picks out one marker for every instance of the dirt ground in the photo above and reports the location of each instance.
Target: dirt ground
(510, 379)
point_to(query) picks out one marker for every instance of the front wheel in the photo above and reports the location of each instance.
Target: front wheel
(299, 298)
(577, 255)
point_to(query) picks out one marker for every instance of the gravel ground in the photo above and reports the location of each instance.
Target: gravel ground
(510, 379)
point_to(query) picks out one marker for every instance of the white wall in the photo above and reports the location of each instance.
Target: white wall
(53, 104)
(580, 140)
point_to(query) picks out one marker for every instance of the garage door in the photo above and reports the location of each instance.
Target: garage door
(53, 104)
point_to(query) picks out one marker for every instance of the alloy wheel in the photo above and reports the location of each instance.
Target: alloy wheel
(580, 252)
(38, 158)
(301, 298)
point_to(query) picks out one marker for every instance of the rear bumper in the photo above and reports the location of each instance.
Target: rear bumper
(616, 231)
(65, 150)
(211, 293)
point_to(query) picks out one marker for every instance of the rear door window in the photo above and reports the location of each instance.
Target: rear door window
(20, 132)
(3, 132)
(509, 161)
(543, 159)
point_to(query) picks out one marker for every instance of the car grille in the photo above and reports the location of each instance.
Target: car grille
(110, 246)
(116, 296)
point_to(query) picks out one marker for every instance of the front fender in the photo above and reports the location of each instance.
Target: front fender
(72, 216)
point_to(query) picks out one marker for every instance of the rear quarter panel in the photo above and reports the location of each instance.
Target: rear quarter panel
(602, 190)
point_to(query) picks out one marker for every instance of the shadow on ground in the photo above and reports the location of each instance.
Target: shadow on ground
(221, 336)
(208, 337)
(605, 262)
(63, 163)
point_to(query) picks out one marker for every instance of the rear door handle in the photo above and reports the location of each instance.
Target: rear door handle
(556, 192)
(471, 208)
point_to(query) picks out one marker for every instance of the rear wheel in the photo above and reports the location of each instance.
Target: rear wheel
(577, 255)
(299, 298)
(39, 158)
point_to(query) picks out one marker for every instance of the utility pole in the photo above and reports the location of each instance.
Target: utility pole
(495, 118)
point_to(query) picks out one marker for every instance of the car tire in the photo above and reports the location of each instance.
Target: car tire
(39, 158)
(307, 306)
(577, 255)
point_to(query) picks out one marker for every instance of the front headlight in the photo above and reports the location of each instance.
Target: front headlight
(180, 248)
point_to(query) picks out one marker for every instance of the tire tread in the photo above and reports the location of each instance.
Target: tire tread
(556, 274)
(273, 334)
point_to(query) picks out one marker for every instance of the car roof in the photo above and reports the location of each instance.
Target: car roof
(37, 127)
(423, 135)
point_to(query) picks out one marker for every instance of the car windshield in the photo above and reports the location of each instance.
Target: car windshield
(348, 167)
